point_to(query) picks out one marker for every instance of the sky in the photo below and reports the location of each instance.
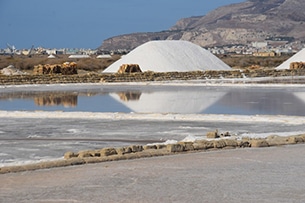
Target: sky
(86, 24)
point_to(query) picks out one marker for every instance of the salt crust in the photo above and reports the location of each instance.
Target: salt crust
(170, 56)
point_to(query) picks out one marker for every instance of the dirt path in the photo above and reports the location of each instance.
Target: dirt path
(274, 174)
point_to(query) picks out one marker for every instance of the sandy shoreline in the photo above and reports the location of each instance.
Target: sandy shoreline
(253, 174)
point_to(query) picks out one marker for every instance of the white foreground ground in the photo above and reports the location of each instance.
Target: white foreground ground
(241, 175)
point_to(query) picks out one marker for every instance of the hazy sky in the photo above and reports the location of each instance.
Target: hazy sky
(85, 24)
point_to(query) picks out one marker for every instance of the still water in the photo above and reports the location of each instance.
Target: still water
(236, 100)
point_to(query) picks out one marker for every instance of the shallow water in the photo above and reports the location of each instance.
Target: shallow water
(238, 100)
(25, 139)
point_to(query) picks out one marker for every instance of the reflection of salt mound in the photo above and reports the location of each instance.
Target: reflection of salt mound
(298, 57)
(11, 70)
(171, 102)
(170, 56)
(300, 95)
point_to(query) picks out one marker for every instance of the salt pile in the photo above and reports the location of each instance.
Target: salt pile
(298, 57)
(11, 70)
(170, 56)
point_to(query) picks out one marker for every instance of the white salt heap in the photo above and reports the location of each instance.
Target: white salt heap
(170, 56)
(298, 57)
(11, 70)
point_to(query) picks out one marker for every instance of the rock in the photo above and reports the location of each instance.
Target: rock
(295, 140)
(69, 155)
(231, 143)
(243, 143)
(136, 148)
(84, 154)
(226, 134)
(212, 135)
(219, 144)
(259, 143)
(161, 146)
(123, 150)
(175, 148)
(274, 140)
(188, 146)
(108, 152)
(203, 144)
(148, 147)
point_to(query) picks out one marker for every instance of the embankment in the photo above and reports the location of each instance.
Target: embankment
(139, 151)
(144, 77)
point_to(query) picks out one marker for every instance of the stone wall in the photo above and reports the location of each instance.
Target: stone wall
(139, 151)
(144, 77)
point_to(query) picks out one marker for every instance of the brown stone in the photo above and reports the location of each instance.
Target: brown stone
(148, 147)
(219, 144)
(259, 143)
(108, 152)
(203, 144)
(212, 135)
(175, 148)
(69, 155)
(231, 143)
(188, 146)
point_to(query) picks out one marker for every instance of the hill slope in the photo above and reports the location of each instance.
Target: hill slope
(241, 23)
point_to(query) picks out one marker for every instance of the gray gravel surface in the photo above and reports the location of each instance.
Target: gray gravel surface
(274, 174)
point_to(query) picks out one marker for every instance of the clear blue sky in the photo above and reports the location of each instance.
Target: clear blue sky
(85, 24)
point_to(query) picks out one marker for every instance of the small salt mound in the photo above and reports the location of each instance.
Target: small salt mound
(298, 57)
(170, 56)
(11, 70)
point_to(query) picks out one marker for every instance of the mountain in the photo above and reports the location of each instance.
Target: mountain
(241, 23)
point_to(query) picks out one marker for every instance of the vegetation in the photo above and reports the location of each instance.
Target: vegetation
(27, 64)
(245, 61)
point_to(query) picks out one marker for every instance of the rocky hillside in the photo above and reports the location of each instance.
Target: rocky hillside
(241, 23)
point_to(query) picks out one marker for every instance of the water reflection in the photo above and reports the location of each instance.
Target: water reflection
(129, 96)
(56, 100)
(185, 100)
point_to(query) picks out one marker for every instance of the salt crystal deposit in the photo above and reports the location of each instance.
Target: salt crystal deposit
(170, 56)
(298, 57)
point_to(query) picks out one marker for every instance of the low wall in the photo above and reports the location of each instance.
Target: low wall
(143, 77)
(139, 151)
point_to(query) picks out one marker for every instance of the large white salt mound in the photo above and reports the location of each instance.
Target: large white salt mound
(170, 56)
(298, 57)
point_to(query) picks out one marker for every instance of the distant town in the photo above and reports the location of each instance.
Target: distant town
(266, 48)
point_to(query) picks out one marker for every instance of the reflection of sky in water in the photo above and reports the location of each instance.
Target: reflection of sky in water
(195, 100)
